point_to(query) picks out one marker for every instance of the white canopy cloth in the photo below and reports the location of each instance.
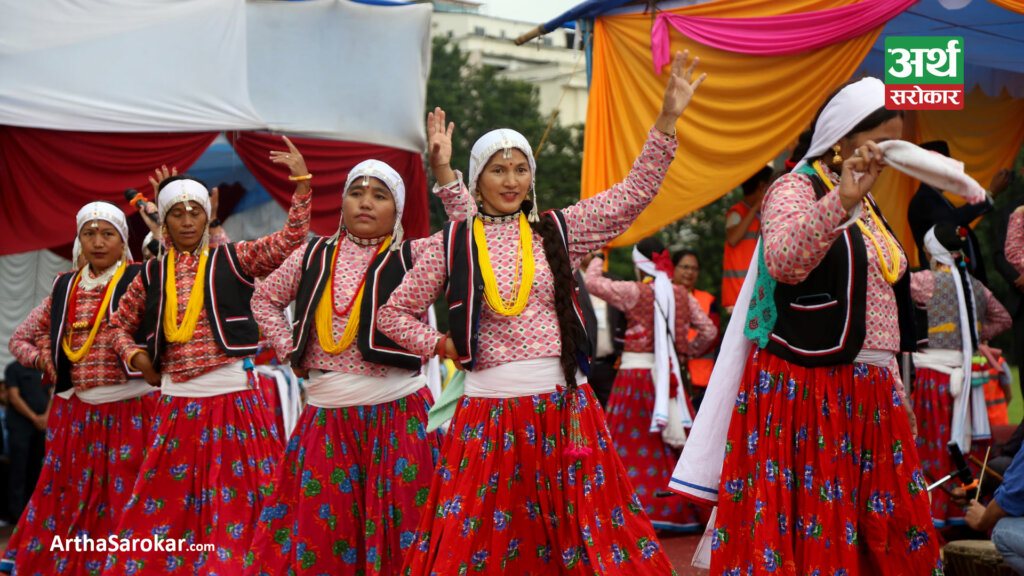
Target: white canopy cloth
(318, 67)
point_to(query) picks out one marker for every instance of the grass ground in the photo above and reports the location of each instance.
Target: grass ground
(1016, 409)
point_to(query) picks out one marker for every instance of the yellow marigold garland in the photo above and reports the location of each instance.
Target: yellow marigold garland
(172, 330)
(325, 310)
(76, 356)
(492, 296)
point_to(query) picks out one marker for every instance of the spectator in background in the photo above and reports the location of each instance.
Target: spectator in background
(929, 207)
(1015, 281)
(26, 425)
(742, 228)
(606, 339)
(5, 458)
(686, 271)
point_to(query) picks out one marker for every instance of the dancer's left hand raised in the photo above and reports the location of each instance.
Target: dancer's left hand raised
(678, 92)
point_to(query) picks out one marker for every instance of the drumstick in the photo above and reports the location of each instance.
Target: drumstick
(989, 469)
(981, 476)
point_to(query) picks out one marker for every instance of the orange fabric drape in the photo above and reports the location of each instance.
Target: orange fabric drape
(986, 136)
(1012, 5)
(748, 110)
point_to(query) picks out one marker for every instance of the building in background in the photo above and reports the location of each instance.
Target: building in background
(547, 62)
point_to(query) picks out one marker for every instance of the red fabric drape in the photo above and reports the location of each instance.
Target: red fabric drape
(47, 175)
(330, 161)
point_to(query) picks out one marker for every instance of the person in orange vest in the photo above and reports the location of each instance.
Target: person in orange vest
(685, 272)
(742, 228)
(998, 393)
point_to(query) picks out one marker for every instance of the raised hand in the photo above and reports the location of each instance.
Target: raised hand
(214, 202)
(866, 160)
(439, 146)
(291, 158)
(678, 92)
(161, 174)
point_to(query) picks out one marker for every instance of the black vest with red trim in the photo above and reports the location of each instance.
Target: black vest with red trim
(821, 321)
(383, 276)
(226, 298)
(60, 298)
(465, 291)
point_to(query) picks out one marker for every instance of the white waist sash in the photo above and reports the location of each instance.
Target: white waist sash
(943, 361)
(880, 358)
(519, 378)
(342, 389)
(134, 388)
(67, 394)
(637, 361)
(224, 380)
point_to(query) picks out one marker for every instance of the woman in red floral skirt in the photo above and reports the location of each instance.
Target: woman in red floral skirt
(97, 436)
(349, 492)
(962, 316)
(648, 408)
(528, 481)
(215, 447)
(820, 473)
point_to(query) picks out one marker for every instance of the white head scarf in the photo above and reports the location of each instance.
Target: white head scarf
(106, 212)
(843, 112)
(392, 179)
(76, 252)
(504, 140)
(667, 418)
(966, 398)
(185, 190)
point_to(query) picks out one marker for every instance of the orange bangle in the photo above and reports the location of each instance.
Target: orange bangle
(300, 178)
(439, 348)
(132, 357)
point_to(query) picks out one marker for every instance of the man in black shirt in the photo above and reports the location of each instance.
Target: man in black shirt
(26, 426)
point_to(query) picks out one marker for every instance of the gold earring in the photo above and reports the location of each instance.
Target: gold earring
(837, 159)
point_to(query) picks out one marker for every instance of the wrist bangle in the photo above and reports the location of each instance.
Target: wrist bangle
(439, 348)
(215, 223)
(301, 178)
(131, 358)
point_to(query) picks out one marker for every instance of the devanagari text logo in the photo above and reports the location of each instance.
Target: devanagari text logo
(924, 72)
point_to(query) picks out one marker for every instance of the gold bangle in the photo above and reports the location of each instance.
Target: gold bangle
(132, 357)
(300, 178)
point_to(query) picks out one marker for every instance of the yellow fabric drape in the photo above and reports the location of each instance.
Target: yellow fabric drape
(985, 136)
(1012, 5)
(745, 113)
(750, 109)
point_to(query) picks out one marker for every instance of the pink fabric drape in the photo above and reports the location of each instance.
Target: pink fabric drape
(775, 35)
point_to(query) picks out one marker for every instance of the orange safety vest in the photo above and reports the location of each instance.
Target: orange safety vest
(736, 258)
(995, 399)
(700, 368)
